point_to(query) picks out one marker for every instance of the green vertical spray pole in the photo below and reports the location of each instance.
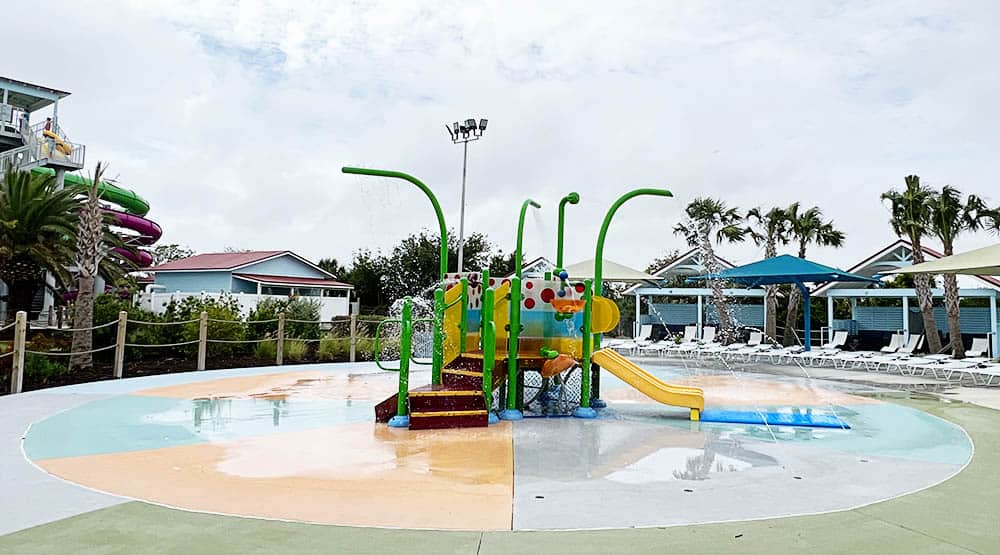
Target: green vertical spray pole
(489, 341)
(584, 410)
(402, 418)
(599, 271)
(463, 322)
(438, 354)
(512, 412)
(571, 198)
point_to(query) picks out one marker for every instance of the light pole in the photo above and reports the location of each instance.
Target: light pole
(464, 133)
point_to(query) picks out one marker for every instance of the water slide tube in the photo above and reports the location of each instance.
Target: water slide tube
(132, 218)
(651, 386)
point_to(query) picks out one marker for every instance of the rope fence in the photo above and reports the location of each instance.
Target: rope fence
(340, 338)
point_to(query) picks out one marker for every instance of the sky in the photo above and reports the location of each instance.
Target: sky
(234, 118)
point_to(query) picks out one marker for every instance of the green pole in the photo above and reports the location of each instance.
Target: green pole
(599, 269)
(402, 418)
(438, 355)
(585, 410)
(520, 233)
(572, 198)
(427, 191)
(511, 412)
(489, 340)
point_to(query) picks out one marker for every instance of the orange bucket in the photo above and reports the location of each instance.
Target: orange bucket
(568, 306)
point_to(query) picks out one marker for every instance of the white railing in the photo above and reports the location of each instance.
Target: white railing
(17, 158)
(329, 307)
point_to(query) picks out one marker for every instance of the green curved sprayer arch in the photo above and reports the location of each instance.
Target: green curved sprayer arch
(427, 191)
(598, 286)
(571, 198)
(131, 202)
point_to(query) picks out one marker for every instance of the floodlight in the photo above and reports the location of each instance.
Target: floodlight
(482, 125)
(470, 123)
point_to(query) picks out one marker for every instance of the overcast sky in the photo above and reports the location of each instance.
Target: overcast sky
(234, 118)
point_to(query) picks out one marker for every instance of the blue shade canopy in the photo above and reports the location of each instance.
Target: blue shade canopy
(783, 269)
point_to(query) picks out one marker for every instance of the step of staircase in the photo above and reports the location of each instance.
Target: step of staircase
(449, 419)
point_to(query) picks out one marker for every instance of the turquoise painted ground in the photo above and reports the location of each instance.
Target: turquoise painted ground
(136, 423)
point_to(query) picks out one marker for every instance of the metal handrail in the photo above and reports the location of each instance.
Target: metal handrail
(413, 359)
(378, 347)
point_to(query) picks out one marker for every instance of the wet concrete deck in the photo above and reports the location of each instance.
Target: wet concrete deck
(299, 445)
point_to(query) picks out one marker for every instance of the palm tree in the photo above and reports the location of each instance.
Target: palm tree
(950, 217)
(768, 229)
(38, 223)
(911, 218)
(709, 218)
(89, 244)
(807, 227)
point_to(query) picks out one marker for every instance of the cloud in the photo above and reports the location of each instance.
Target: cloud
(233, 118)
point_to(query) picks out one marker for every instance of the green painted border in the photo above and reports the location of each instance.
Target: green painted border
(960, 515)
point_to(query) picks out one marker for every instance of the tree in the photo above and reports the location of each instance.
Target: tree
(663, 261)
(950, 217)
(89, 247)
(169, 252)
(709, 218)
(911, 219)
(365, 274)
(38, 226)
(331, 265)
(769, 229)
(807, 227)
(503, 264)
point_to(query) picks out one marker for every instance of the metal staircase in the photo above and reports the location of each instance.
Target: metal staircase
(39, 151)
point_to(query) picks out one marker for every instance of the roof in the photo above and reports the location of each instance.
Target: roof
(228, 261)
(610, 271)
(289, 280)
(689, 263)
(29, 96)
(895, 255)
(216, 261)
(978, 262)
(784, 269)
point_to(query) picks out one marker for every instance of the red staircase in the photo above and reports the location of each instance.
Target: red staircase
(457, 403)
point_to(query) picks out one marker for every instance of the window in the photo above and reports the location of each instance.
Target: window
(272, 290)
(335, 292)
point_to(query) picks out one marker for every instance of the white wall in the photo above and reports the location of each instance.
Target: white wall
(157, 302)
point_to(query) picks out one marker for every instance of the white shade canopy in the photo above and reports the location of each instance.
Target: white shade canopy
(611, 271)
(978, 262)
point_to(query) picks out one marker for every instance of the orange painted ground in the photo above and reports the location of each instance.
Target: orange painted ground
(731, 391)
(360, 474)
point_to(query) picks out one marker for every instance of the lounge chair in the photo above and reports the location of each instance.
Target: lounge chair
(640, 340)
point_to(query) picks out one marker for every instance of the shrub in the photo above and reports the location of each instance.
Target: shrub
(266, 350)
(333, 348)
(228, 326)
(295, 349)
(40, 369)
(106, 309)
(294, 308)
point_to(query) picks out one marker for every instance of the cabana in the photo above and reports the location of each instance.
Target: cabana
(786, 269)
(978, 262)
(897, 257)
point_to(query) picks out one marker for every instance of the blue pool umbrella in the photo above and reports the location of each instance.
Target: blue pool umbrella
(786, 269)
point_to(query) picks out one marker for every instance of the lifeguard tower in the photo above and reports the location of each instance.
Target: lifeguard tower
(27, 144)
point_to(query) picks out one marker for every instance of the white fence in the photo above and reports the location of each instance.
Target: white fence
(329, 307)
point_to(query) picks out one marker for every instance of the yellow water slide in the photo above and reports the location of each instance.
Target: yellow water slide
(651, 386)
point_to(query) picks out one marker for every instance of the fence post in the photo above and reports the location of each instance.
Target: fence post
(354, 335)
(17, 367)
(280, 348)
(202, 339)
(120, 344)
